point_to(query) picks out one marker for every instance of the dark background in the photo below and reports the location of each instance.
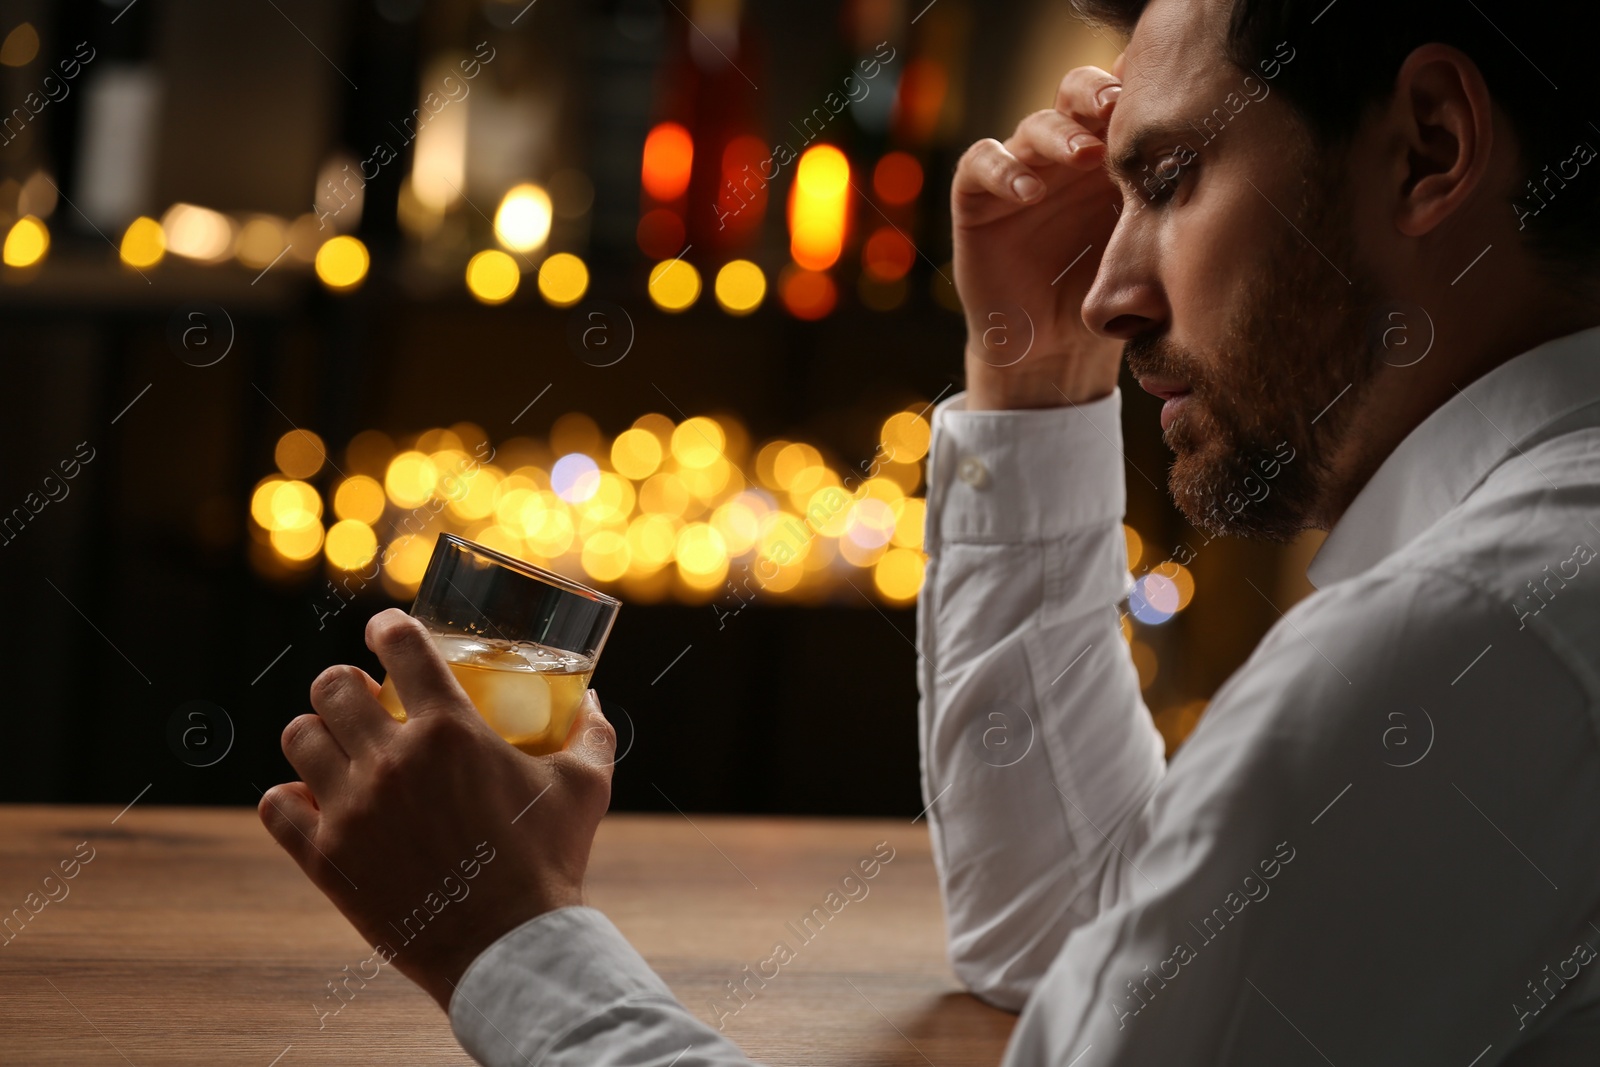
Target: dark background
(136, 593)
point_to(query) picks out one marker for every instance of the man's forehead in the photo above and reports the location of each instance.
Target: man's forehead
(1174, 63)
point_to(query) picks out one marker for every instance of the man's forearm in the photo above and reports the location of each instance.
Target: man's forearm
(1036, 745)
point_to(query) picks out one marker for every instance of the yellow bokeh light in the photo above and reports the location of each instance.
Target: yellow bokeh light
(858, 556)
(611, 502)
(410, 479)
(1145, 662)
(552, 534)
(664, 494)
(908, 525)
(500, 539)
(740, 287)
(300, 453)
(342, 263)
(606, 556)
(563, 279)
(294, 505)
(298, 543)
(905, 437)
(766, 459)
(350, 544)
(791, 462)
(261, 502)
(636, 453)
(701, 550)
(262, 240)
(1127, 628)
(653, 539)
(522, 222)
(898, 575)
(492, 276)
(519, 509)
(674, 284)
(143, 243)
(1135, 545)
(657, 424)
(698, 442)
(739, 526)
(818, 206)
(808, 483)
(360, 498)
(20, 47)
(407, 558)
(475, 499)
(881, 489)
(196, 232)
(26, 243)
(705, 483)
(828, 511)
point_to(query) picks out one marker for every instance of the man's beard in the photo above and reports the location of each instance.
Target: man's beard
(1271, 406)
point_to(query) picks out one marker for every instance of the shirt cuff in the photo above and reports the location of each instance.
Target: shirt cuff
(999, 477)
(543, 979)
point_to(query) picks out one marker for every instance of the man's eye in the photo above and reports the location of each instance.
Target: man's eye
(1161, 181)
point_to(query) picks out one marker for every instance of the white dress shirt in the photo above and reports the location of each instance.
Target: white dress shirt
(1380, 845)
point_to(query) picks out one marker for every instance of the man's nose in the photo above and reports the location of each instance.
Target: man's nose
(1125, 299)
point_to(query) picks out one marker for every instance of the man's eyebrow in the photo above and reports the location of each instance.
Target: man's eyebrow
(1126, 164)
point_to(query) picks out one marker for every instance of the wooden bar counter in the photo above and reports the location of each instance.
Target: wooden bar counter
(189, 937)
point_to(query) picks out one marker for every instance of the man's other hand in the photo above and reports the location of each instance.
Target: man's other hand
(434, 836)
(1024, 211)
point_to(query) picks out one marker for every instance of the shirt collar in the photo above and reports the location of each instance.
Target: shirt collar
(1456, 447)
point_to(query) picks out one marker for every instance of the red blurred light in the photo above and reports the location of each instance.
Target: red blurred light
(668, 157)
(898, 178)
(888, 254)
(660, 233)
(807, 294)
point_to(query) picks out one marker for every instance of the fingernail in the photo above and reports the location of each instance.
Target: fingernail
(1027, 186)
(1109, 94)
(1081, 141)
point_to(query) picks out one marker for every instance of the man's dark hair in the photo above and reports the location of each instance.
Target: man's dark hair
(1348, 52)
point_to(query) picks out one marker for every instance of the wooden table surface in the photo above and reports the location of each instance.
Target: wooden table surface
(190, 938)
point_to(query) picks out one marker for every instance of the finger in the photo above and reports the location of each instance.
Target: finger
(314, 754)
(1119, 65)
(347, 699)
(1047, 137)
(1088, 94)
(289, 812)
(421, 677)
(587, 762)
(592, 739)
(989, 167)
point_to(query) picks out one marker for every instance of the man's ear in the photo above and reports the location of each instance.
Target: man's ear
(1443, 119)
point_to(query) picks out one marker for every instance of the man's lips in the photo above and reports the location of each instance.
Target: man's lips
(1165, 388)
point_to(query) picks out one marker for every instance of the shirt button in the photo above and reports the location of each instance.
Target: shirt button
(972, 471)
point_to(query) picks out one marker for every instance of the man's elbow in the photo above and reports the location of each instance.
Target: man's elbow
(996, 983)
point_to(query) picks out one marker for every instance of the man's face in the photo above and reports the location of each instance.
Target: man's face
(1232, 273)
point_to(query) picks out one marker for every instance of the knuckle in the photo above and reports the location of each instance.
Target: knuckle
(333, 682)
(394, 630)
(295, 733)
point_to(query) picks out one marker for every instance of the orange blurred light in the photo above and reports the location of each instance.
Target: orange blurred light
(818, 205)
(888, 254)
(742, 197)
(921, 98)
(897, 179)
(807, 294)
(668, 156)
(660, 233)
